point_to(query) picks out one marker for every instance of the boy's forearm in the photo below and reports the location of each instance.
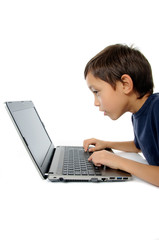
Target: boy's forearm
(146, 172)
(124, 146)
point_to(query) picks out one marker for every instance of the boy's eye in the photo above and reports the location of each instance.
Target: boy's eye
(95, 92)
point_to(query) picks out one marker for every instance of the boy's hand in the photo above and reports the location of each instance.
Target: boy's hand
(98, 145)
(105, 158)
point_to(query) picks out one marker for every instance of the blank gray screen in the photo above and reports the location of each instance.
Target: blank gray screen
(34, 133)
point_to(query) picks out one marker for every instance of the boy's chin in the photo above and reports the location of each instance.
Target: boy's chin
(114, 117)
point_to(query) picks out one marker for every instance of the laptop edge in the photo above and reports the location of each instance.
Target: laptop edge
(51, 167)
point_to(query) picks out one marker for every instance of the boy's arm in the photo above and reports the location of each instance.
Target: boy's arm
(148, 173)
(99, 145)
(124, 146)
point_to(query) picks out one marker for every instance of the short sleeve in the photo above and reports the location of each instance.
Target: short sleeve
(155, 120)
(136, 143)
(135, 139)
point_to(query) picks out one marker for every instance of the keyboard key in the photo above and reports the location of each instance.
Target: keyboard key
(76, 163)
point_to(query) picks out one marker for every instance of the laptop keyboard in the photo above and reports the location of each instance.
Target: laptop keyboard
(76, 162)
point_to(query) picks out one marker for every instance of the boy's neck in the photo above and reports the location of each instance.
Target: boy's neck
(138, 103)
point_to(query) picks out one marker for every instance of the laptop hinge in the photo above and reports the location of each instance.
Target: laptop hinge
(52, 155)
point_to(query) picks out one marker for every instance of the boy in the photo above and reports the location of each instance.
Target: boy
(120, 78)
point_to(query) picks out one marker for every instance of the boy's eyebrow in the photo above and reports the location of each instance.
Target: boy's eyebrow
(91, 87)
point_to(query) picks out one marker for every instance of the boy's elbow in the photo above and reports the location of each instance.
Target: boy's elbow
(156, 184)
(156, 177)
(137, 150)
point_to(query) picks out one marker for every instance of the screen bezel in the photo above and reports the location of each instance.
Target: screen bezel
(22, 105)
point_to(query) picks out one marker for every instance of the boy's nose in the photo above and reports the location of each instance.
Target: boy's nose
(96, 102)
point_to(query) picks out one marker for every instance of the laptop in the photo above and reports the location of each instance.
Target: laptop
(61, 163)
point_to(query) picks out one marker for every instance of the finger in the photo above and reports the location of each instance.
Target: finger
(85, 145)
(98, 164)
(92, 149)
(87, 142)
(90, 158)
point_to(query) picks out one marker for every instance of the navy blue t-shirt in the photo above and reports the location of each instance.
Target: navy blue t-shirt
(146, 129)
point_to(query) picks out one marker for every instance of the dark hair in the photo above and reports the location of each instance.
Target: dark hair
(115, 60)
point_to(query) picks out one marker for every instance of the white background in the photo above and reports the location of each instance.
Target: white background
(44, 47)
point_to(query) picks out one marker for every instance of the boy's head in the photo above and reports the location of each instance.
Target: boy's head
(114, 61)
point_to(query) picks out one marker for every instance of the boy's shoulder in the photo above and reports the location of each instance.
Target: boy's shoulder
(154, 101)
(154, 107)
(149, 109)
(155, 96)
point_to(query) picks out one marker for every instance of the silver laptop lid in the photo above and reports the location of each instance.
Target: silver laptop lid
(33, 133)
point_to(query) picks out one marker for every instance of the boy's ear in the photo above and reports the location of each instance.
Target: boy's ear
(127, 83)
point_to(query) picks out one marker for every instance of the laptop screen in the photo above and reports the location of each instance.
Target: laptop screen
(33, 133)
